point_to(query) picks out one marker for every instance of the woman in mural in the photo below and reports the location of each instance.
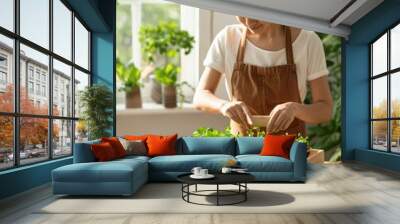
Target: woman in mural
(267, 69)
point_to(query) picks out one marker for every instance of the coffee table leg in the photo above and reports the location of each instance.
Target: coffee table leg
(245, 193)
(217, 194)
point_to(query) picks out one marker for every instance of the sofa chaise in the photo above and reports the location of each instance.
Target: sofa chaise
(125, 176)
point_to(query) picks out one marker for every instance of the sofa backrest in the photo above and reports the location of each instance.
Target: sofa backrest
(83, 152)
(249, 145)
(206, 145)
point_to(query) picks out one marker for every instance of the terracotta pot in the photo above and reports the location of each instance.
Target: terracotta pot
(156, 91)
(133, 98)
(169, 96)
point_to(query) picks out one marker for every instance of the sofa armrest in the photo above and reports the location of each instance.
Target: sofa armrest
(83, 152)
(298, 155)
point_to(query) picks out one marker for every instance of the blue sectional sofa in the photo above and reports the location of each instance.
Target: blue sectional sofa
(125, 176)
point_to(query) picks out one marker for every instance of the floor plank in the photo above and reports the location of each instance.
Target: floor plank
(376, 189)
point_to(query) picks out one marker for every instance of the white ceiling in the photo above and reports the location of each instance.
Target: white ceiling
(316, 15)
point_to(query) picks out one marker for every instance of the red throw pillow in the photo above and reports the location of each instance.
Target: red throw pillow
(103, 152)
(161, 145)
(136, 137)
(277, 145)
(116, 145)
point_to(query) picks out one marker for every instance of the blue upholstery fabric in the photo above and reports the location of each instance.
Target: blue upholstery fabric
(196, 146)
(298, 154)
(249, 145)
(118, 177)
(83, 152)
(184, 163)
(257, 163)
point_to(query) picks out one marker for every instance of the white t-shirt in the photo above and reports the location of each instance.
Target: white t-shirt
(308, 52)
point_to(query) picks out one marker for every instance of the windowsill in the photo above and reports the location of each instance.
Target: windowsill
(154, 109)
(29, 166)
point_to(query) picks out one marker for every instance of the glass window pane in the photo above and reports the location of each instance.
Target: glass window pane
(379, 135)
(33, 139)
(395, 94)
(62, 29)
(62, 89)
(379, 97)
(35, 21)
(395, 136)
(6, 142)
(395, 47)
(6, 74)
(7, 14)
(34, 96)
(379, 55)
(81, 45)
(62, 138)
(81, 81)
(81, 131)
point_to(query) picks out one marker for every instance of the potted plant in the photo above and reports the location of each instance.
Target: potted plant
(168, 77)
(130, 76)
(96, 102)
(161, 45)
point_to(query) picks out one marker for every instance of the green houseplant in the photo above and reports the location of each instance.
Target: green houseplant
(161, 46)
(168, 77)
(96, 102)
(130, 76)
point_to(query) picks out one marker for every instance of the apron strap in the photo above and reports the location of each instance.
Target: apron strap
(289, 48)
(242, 46)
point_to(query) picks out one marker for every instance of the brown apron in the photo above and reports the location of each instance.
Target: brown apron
(262, 88)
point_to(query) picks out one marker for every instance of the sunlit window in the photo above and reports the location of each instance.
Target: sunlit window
(43, 113)
(385, 94)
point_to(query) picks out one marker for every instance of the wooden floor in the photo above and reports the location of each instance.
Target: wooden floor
(377, 188)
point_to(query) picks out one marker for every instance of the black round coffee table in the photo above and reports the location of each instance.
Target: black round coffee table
(238, 179)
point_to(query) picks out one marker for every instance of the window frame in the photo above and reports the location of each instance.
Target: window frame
(388, 74)
(16, 115)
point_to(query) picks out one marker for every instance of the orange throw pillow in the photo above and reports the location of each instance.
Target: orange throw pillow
(277, 145)
(161, 145)
(116, 145)
(136, 137)
(103, 152)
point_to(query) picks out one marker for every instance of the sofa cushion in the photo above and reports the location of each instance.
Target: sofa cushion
(249, 145)
(103, 152)
(257, 163)
(207, 145)
(113, 171)
(185, 163)
(159, 145)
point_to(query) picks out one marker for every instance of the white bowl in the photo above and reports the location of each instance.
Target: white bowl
(260, 120)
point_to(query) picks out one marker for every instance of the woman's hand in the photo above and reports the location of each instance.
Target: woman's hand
(238, 112)
(281, 117)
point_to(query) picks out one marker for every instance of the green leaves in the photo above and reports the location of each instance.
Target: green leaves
(165, 39)
(129, 75)
(97, 102)
(167, 75)
(327, 136)
(211, 132)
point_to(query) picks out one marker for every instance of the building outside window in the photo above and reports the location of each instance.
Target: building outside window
(34, 76)
(385, 93)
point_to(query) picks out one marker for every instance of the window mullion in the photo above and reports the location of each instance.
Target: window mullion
(389, 101)
(50, 81)
(73, 82)
(16, 84)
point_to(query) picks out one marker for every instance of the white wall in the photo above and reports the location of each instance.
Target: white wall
(182, 121)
